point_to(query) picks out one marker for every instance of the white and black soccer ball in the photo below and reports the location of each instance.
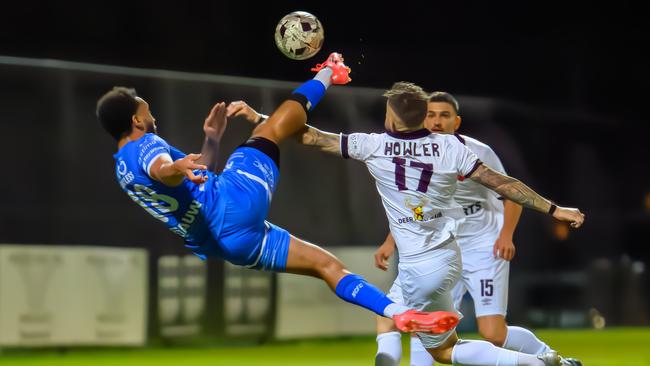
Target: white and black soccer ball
(299, 35)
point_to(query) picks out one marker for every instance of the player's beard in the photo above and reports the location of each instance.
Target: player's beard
(152, 129)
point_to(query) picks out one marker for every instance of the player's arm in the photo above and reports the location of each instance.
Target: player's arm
(504, 246)
(171, 173)
(520, 193)
(240, 108)
(213, 128)
(384, 252)
(325, 141)
(310, 136)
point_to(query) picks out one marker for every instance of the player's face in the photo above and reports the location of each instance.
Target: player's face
(441, 118)
(143, 115)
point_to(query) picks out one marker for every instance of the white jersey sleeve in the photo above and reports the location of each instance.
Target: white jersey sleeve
(467, 160)
(490, 159)
(360, 146)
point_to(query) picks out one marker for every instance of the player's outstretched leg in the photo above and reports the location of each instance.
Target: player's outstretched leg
(308, 259)
(493, 328)
(291, 116)
(482, 353)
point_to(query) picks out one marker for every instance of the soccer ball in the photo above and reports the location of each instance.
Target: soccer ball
(299, 35)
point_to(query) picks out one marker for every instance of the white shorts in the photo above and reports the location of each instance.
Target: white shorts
(425, 282)
(486, 283)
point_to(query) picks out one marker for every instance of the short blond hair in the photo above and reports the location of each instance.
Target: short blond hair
(408, 101)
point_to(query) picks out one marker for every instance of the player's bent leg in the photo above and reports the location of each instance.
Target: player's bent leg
(289, 118)
(389, 346)
(419, 355)
(385, 325)
(482, 353)
(389, 339)
(308, 259)
(389, 343)
(441, 353)
(493, 329)
(523, 340)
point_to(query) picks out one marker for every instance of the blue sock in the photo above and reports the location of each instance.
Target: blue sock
(354, 289)
(309, 94)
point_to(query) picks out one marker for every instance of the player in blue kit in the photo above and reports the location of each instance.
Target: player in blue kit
(224, 214)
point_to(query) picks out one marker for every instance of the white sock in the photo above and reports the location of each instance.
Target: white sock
(393, 309)
(482, 353)
(325, 76)
(419, 355)
(389, 349)
(523, 340)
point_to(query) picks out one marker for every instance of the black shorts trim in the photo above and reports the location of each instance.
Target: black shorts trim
(266, 146)
(304, 102)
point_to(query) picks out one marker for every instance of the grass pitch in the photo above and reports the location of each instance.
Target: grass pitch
(611, 347)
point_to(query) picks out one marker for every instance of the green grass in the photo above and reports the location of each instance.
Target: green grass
(611, 347)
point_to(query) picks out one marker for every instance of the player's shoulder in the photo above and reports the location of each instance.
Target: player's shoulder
(445, 138)
(151, 139)
(474, 144)
(369, 134)
(365, 138)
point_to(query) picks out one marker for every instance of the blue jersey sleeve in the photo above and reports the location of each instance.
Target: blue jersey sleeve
(151, 147)
(175, 153)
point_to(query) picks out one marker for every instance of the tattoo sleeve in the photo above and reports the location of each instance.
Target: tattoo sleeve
(325, 141)
(510, 188)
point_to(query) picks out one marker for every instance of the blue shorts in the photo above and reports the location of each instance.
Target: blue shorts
(246, 187)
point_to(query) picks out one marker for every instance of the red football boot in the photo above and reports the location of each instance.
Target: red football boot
(419, 321)
(340, 72)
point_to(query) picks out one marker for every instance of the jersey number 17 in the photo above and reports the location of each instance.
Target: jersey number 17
(400, 174)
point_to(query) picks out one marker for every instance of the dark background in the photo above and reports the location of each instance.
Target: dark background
(580, 55)
(557, 89)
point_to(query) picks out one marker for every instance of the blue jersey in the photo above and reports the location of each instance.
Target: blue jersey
(224, 217)
(182, 208)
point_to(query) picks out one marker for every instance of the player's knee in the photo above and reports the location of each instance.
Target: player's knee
(266, 131)
(385, 325)
(441, 354)
(494, 334)
(330, 265)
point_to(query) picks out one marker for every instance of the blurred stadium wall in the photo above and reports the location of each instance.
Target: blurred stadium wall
(58, 188)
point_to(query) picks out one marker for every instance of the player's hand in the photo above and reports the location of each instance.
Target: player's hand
(504, 248)
(240, 108)
(572, 215)
(187, 165)
(382, 254)
(215, 123)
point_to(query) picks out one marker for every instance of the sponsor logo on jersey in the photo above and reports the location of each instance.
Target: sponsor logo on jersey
(126, 176)
(418, 209)
(472, 209)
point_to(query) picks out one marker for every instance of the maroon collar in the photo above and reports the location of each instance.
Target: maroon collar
(409, 135)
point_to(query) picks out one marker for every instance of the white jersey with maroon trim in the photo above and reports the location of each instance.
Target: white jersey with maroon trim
(416, 175)
(482, 206)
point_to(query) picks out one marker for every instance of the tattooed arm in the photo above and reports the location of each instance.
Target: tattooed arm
(325, 141)
(520, 193)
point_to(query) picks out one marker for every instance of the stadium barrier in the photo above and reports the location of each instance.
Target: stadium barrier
(65, 296)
